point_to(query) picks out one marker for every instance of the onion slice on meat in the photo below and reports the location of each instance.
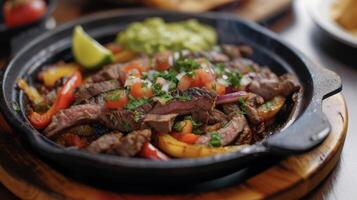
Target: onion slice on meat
(231, 97)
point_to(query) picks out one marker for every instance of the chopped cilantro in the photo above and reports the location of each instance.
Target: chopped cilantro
(156, 88)
(137, 116)
(186, 65)
(167, 75)
(234, 79)
(135, 103)
(159, 93)
(268, 105)
(127, 127)
(215, 140)
(219, 69)
(114, 95)
(195, 126)
(242, 106)
(178, 126)
(183, 97)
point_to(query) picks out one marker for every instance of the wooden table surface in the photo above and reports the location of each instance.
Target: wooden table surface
(297, 28)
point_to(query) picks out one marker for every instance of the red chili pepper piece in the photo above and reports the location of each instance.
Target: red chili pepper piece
(65, 97)
(151, 152)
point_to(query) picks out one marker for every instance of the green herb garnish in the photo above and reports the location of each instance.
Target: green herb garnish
(167, 75)
(215, 140)
(184, 97)
(137, 116)
(242, 105)
(135, 103)
(178, 126)
(186, 65)
(234, 79)
(114, 95)
(219, 69)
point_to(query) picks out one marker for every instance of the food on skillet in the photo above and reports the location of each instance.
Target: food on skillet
(344, 13)
(22, 12)
(157, 98)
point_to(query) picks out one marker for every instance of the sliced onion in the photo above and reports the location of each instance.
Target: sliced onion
(231, 97)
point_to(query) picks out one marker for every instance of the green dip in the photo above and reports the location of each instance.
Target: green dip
(154, 35)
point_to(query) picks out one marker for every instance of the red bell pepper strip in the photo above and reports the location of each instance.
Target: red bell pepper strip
(188, 138)
(65, 97)
(151, 152)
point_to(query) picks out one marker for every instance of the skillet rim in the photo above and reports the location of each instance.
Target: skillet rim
(40, 143)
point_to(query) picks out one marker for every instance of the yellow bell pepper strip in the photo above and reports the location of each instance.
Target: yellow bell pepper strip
(175, 148)
(31, 92)
(65, 97)
(269, 109)
(50, 75)
(151, 152)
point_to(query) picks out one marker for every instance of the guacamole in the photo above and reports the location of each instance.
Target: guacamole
(155, 35)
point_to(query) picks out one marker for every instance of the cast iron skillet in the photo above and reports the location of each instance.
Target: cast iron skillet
(304, 130)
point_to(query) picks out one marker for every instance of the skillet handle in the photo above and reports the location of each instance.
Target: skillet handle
(312, 126)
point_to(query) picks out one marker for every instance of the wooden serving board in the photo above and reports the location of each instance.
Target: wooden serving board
(28, 177)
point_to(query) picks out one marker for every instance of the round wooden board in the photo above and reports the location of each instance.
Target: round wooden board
(23, 173)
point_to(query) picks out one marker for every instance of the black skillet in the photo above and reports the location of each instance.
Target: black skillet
(306, 127)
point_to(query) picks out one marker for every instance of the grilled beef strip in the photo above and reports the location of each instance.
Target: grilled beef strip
(105, 143)
(228, 133)
(160, 123)
(237, 51)
(211, 56)
(246, 136)
(268, 85)
(132, 143)
(73, 116)
(201, 101)
(251, 104)
(89, 90)
(217, 116)
(113, 71)
(243, 65)
(120, 119)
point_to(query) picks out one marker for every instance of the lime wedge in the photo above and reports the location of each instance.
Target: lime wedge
(88, 52)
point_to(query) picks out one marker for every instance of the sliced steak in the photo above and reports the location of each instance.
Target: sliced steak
(237, 51)
(160, 123)
(131, 144)
(245, 137)
(251, 104)
(114, 71)
(105, 143)
(89, 90)
(228, 133)
(201, 101)
(217, 116)
(72, 116)
(268, 85)
(212, 56)
(109, 72)
(121, 120)
(243, 65)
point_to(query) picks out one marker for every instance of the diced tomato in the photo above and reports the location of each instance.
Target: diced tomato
(139, 90)
(188, 138)
(163, 61)
(184, 83)
(20, 12)
(218, 88)
(116, 99)
(151, 152)
(205, 76)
